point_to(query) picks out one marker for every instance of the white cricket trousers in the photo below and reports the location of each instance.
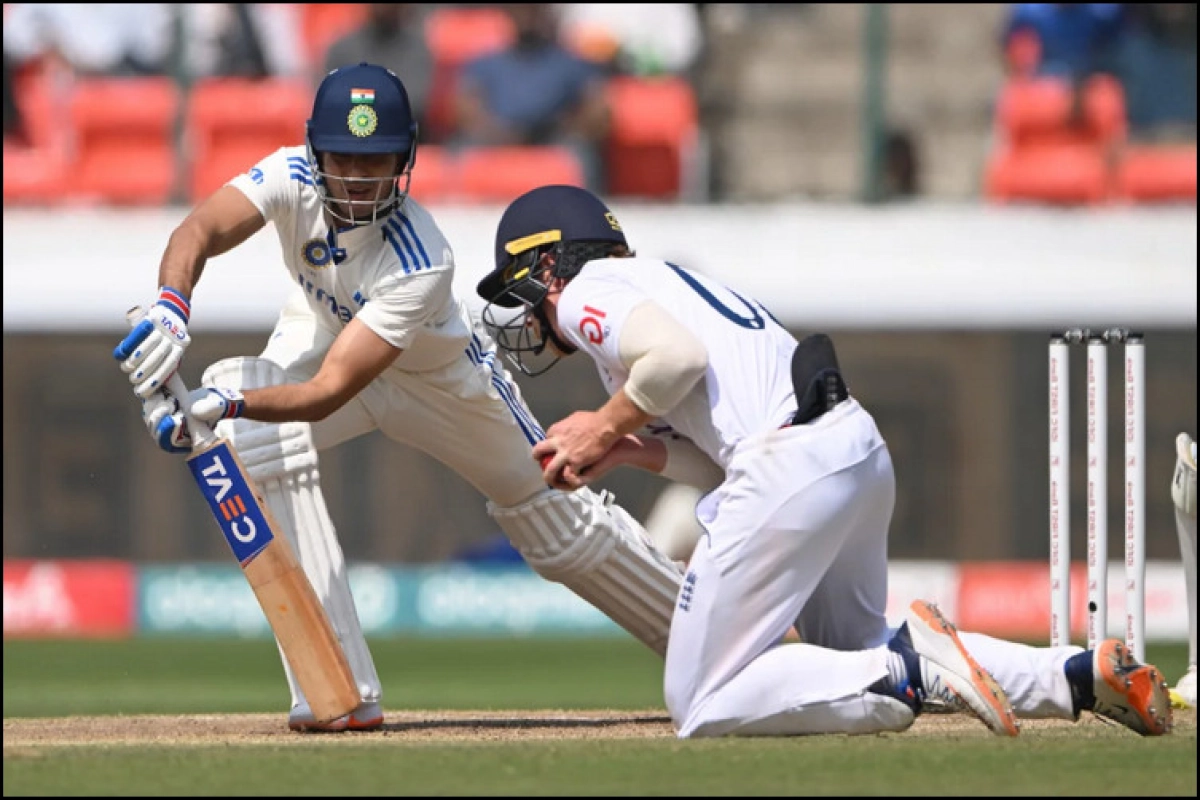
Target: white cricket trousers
(797, 534)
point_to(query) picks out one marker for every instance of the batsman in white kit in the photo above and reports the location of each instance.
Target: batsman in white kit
(704, 382)
(1183, 496)
(373, 338)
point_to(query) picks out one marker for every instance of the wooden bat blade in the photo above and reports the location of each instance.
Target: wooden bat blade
(283, 590)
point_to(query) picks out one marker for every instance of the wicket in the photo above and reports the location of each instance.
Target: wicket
(1097, 495)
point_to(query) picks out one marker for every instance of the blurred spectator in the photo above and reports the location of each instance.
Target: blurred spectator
(901, 166)
(393, 37)
(1158, 70)
(1071, 41)
(535, 92)
(1067, 40)
(246, 40)
(642, 39)
(98, 39)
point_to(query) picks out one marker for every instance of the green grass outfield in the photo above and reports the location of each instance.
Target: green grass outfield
(547, 745)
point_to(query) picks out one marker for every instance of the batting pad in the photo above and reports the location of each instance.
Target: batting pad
(282, 462)
(594, 548)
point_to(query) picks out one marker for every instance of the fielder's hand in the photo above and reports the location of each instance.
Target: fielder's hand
(151, 352)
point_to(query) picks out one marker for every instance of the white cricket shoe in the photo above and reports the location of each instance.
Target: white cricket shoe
(1129, 692)
(1184, 693)
(367, 717)
(949, 675)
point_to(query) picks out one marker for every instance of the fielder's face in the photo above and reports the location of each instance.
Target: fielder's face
(358, 183)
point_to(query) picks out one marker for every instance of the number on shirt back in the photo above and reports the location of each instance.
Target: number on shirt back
(754, 322)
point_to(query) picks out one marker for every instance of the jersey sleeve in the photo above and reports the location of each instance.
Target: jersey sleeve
(400, 306)
(273, 184)
(592, 311)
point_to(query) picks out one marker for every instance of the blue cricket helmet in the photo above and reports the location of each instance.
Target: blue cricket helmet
(548, 218)
(363, 109)
(571, 225)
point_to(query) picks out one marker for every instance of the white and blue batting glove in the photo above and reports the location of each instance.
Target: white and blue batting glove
(151, 352)
(212, 404)
(165, 422)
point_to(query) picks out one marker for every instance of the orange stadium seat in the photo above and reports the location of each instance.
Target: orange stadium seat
(322, 24)
(433, 176)
(655, 125)
(1163, 173)
(232, 123)
(1043, 155)
(35, 170)
(124, 139)
(34, 175)
(1062, 173)
(456, 36)
(500, 174)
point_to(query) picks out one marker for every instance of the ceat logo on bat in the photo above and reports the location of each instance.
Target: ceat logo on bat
(231, 501)
(590, 325)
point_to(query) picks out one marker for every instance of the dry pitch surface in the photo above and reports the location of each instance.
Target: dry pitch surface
(443, 726)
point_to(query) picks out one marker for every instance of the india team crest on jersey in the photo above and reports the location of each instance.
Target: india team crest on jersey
(317, 253)
(362, 120)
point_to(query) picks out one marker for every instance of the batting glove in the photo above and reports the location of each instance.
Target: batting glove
(212, 404)
(165, 422)
(151, 352)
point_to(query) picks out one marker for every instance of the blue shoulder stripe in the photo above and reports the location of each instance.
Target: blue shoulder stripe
(409, 226)
(391, 237)
(396, 229)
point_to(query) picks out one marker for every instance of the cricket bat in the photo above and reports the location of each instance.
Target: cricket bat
(283, 590)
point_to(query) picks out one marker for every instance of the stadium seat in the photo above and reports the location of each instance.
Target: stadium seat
(34, 175)
(1061, 173)
(653, 138)
(1038, 111)
(500, 174)
(124, 149)
(1048, 153)
(35, 170)
(456, 36)
(433, 178)
(1163, 173)
(232, 123)
(322, 24)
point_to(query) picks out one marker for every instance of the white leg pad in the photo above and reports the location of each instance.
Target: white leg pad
(283, 463)
(594, 548)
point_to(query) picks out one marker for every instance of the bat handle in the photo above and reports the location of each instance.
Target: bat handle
(202, 434)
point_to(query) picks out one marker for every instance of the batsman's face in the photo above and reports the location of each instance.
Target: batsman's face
(358, 182)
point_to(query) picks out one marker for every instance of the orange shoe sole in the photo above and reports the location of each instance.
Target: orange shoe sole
(1144, 683)
(984, 682)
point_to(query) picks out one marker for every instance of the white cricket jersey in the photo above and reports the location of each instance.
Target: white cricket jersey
(747, 388)
(395, 275)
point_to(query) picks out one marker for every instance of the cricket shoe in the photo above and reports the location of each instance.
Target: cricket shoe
(367, 717)
(1129, 692)
(950, 676)
(1184, 693)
